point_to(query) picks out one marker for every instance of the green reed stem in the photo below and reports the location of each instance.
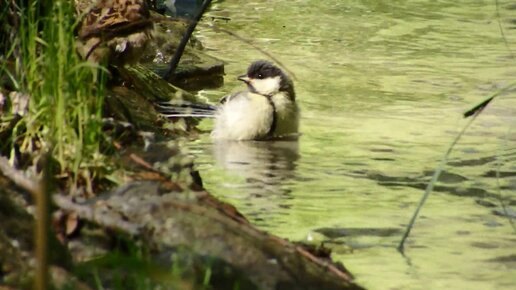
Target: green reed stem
(475, 112)
(65, 104)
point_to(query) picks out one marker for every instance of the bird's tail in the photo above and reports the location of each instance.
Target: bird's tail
(186, 109)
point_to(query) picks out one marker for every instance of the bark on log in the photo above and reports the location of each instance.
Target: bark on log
(196, 222)
(173, 219)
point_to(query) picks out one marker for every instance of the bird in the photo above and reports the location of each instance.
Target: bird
(266, 110)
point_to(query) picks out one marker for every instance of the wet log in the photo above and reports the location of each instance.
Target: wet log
(135, 102)
(197, 225)
(181, 220)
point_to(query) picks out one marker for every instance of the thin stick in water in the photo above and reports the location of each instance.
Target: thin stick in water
(430, 185)
(181, 47)
(475, 112)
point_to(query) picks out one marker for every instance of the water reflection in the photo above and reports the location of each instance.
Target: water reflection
(265, 166)
(382, 86)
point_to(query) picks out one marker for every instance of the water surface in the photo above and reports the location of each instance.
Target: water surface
(382, 86)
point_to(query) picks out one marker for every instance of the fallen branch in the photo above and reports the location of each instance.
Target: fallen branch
(19, 178)
(97, 213)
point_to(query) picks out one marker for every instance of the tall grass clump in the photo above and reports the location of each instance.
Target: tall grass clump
(65, 93)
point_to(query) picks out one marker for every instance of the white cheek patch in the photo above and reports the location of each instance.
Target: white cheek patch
(266, 86)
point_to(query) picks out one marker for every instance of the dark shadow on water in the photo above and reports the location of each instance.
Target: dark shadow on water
(449, 182)
(351, 232)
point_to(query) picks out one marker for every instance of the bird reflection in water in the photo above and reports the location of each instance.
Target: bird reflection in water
(267, 167)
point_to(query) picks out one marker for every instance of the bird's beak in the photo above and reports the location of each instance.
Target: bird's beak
(244, 78)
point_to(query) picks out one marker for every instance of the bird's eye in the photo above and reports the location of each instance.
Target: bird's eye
(260, 76)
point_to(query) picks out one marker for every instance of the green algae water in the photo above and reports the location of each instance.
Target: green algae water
(382, 86)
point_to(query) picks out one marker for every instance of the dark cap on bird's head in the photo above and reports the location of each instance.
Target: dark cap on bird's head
(262, 69)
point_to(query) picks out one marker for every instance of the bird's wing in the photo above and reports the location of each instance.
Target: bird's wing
(186, 109)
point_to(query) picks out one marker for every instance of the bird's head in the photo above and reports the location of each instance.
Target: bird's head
(265, 78)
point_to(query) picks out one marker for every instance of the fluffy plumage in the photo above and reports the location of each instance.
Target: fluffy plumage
(266, 110)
